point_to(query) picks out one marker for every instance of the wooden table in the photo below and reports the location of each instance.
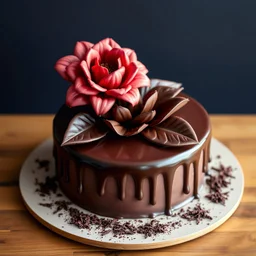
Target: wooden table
(21, 234)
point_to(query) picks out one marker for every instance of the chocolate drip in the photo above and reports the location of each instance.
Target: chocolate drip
(121, 185)
(102, 180)
(65, 168)
(196, 166)
(80, 177)
(206, 156)
(168, 182)
(138, 187)
(186, 188)
(152, 189)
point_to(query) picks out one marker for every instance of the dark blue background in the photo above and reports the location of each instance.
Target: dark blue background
(209, 46)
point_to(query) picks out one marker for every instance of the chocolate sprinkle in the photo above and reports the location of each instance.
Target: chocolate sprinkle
(117, 228)
(196, 214)
(217, 182)
(224, 171)
(43, 164)
(47, 187)
(48, 205)
(62, 205)
(218, 197)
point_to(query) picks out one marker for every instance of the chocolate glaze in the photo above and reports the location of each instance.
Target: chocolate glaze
(130, 177)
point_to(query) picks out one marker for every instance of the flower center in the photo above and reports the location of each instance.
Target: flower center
(108, 67)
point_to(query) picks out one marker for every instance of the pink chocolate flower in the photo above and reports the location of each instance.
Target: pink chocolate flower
(102, 73)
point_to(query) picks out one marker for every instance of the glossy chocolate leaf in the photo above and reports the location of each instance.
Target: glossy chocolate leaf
(143, 118)
(166, 93)
(116, 127)
(157, 82)
(135, 130)
(83, 129)
(149, 101)
(121, 114)
(175, 131)
(167, 109)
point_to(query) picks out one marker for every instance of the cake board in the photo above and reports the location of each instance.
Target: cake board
(186, 232)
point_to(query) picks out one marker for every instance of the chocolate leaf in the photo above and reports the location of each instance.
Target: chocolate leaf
(121, 114)
(116, 127)
(175, 131)
(149, 100)
(166, 93)
(83, 129)
(143, 118)
(166, 109)
(135, 130)
(157, 82)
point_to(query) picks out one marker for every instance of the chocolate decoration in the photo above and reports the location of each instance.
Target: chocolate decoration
(83, 129)
(186, 188)
(129, 177)
(167, 109)
(175, 131)
(154, 118)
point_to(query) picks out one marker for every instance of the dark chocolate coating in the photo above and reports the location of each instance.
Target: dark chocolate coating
(132, 177)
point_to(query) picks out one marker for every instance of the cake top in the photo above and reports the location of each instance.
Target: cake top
(120, 98)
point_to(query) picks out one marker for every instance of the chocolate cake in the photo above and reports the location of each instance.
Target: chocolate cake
(126, 146)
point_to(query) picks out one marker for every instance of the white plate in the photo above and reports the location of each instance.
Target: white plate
(188, 230)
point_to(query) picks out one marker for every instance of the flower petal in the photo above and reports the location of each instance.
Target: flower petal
(102, 47)
(82, 48)
(96, 86)
(116, 127)
(91, 57)
(136, 130)
(149, 101)
(130, 72)
(121, 114)
(99, 72)
(73, 98)
(85, 69)
(143, 118)
(131, 54)
(133, 96)
(82, 88)
(140, 80)
(116, 54)
(62, 64)
(118, 92)
(113, 80)
(111, 42)
(102, 105)
(142, 67)
(73, 70)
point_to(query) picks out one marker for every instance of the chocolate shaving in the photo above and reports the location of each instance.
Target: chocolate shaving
(45, 188)
(224, 171)
(43, 164)
(117, 228)
(217, 182)
(62, 205)
(48, 205)
(218, 197)
(196, 214)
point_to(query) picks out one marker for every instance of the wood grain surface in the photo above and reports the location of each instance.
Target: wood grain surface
(21, 234)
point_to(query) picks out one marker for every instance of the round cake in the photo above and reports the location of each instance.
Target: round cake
(128, 160)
